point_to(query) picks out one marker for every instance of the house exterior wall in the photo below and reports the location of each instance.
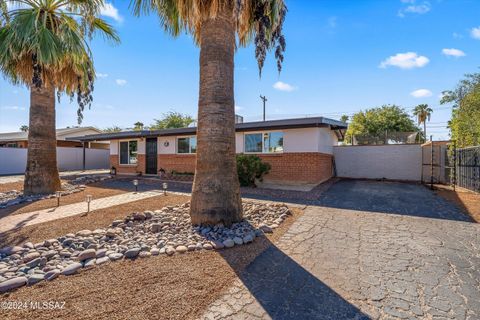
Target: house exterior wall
(307, 155)
(393, 162)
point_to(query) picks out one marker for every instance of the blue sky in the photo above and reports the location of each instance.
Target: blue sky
(342, 56)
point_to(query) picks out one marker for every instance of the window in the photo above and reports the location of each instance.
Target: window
(267, 142)
(128, 152)
(187, 145)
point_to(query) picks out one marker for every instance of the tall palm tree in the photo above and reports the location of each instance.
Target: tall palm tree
(43, 45)
(214, 25)
(423, 113)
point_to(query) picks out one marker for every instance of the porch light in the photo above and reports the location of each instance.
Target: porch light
(88, 199)
(164, 187)
(135, 183)
(58, 194)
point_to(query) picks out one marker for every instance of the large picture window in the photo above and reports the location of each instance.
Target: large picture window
(187, 145)
(128, 152)
(266, 142)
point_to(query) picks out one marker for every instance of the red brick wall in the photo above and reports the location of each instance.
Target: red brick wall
(308, 167)
(128, 169)
(178, 162)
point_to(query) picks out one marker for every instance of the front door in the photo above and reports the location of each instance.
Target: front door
(151, 156)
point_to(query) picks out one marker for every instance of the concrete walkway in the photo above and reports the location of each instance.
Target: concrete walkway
(378, 257)
(30, 218)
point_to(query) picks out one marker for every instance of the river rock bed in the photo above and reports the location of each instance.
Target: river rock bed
(14, 197)
(140, 235)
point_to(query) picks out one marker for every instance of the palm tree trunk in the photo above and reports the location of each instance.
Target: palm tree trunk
(41, 175)
(216, 189)
(425, 129)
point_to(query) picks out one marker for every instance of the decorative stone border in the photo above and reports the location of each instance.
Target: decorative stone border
(142, 234)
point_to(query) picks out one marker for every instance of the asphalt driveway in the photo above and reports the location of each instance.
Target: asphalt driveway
(371, 250)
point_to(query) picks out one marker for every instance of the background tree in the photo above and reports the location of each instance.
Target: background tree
(138, 126)
(465, 122)
(112, 129)
(215, 25)
(172, 119)
(377, 123)
(24, 128)
(423, 113)
(43, 46)
(344, 118)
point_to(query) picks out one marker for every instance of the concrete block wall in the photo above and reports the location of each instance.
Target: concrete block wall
(393, 162)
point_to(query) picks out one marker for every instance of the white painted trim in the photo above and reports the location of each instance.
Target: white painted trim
(120, 156)
(181, 137)
(262, 133)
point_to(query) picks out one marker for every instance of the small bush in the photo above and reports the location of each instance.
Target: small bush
(249, 168)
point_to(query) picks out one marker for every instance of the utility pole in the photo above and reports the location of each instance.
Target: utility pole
(264, 99)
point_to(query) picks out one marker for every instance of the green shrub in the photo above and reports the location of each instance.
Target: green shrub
(249, 168)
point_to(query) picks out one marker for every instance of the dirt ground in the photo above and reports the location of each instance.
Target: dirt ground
(161, 287)
(95, 219)
(468, 200)
(97, 190)
(4, 187)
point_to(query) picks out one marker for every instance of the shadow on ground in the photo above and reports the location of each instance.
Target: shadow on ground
(279, 287)
(390, 197)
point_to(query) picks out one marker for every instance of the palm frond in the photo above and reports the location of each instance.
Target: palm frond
(45, 43)
(258, 21)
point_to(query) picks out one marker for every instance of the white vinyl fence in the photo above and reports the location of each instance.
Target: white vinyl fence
(392, 162)
(14, 160)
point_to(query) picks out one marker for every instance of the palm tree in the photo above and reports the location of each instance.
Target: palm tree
(214, 25)
(43, 46)
(344, 118)
(24, 128)
(423, 113)
(138, 126)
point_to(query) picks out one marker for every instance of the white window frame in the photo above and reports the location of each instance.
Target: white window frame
(189, 145)
(263, 142)
(128, 150)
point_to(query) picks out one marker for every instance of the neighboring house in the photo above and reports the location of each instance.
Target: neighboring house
(20, 139)
(298, 150)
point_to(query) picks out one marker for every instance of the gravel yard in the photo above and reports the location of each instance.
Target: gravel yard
(97, 190)
(95, 219)
(162, 287)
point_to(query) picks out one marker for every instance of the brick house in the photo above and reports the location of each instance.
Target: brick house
(298, 150)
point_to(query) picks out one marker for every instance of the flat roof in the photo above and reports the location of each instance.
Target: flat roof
(239, 127)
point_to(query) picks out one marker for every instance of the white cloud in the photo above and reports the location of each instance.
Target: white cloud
(282, 86)
(14, 108)
(475, 33)
(408, 60)
(453, 52)
(101, 75)
(108, 10)
(413, 7)
(421, 93)
(238, 108)
(457, 35)
(121, 82)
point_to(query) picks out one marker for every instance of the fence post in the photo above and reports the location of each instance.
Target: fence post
(431, 164)
(454, 178)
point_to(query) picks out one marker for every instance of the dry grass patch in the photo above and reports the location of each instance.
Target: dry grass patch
(178, 287)
(468, 201)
